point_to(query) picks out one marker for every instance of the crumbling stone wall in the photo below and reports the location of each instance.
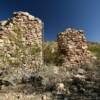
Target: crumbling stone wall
(73, 46)
(21, 41)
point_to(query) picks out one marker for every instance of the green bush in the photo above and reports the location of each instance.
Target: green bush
(51, 54)
(95, 48)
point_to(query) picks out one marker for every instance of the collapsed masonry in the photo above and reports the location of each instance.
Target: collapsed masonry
(73, 46)
(21, 41)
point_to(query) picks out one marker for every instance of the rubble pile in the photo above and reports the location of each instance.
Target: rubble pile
(73, 46)
(21, 41)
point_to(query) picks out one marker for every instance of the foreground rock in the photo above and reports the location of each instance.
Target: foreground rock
(48, 85)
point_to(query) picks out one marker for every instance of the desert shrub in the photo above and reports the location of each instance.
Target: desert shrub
(50, 51)
(51, 54)
(95, 48)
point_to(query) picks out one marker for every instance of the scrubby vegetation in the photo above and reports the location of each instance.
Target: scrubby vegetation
(95, 48)
(51, 54)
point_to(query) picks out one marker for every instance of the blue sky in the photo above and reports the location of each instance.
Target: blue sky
(58, 15)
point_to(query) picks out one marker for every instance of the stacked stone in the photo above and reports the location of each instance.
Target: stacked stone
(73, 46)
(27, 28)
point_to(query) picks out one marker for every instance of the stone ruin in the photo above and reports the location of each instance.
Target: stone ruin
(73, 46)
(21, 41)
(21, 46)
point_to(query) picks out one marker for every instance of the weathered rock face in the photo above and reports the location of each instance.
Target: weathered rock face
(21, 41)
(73, 46)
